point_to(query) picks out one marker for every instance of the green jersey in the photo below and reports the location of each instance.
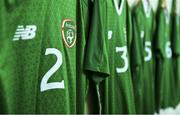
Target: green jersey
(143, 67)
(39, 71)
(107, 56)
(164, 77)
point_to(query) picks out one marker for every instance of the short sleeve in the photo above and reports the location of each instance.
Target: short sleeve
(96, 59)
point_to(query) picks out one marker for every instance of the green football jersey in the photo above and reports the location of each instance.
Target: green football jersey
(107, 56)
(164, 75)
(39, 71)
(143, 67)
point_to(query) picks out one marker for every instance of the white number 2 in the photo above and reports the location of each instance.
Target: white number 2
(148, 50)
(124, 57)
(44, 82)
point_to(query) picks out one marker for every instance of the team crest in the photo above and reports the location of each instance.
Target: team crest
(69, 32)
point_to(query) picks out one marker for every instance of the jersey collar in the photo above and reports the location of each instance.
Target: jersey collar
(119, 10)
(146, 7)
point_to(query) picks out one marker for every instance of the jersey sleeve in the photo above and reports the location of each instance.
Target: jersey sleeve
(176, 36)
(96, 59)
(137, 47)
(159, 40)
(129, 25)
(134, 42)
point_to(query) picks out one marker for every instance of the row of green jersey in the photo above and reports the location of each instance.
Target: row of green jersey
(87, 56)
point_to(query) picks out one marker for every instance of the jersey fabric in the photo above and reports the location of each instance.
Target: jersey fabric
(137, 62)
(176, 51)
(164, 77)
(84, 86)
(107, 56)
(3, 51)
(143, 56)
(39, 71)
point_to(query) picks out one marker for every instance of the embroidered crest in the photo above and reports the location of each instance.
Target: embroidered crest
(69, 32)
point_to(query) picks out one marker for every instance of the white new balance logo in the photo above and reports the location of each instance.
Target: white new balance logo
(27, 33)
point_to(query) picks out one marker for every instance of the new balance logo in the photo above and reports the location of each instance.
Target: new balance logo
(25, 33)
